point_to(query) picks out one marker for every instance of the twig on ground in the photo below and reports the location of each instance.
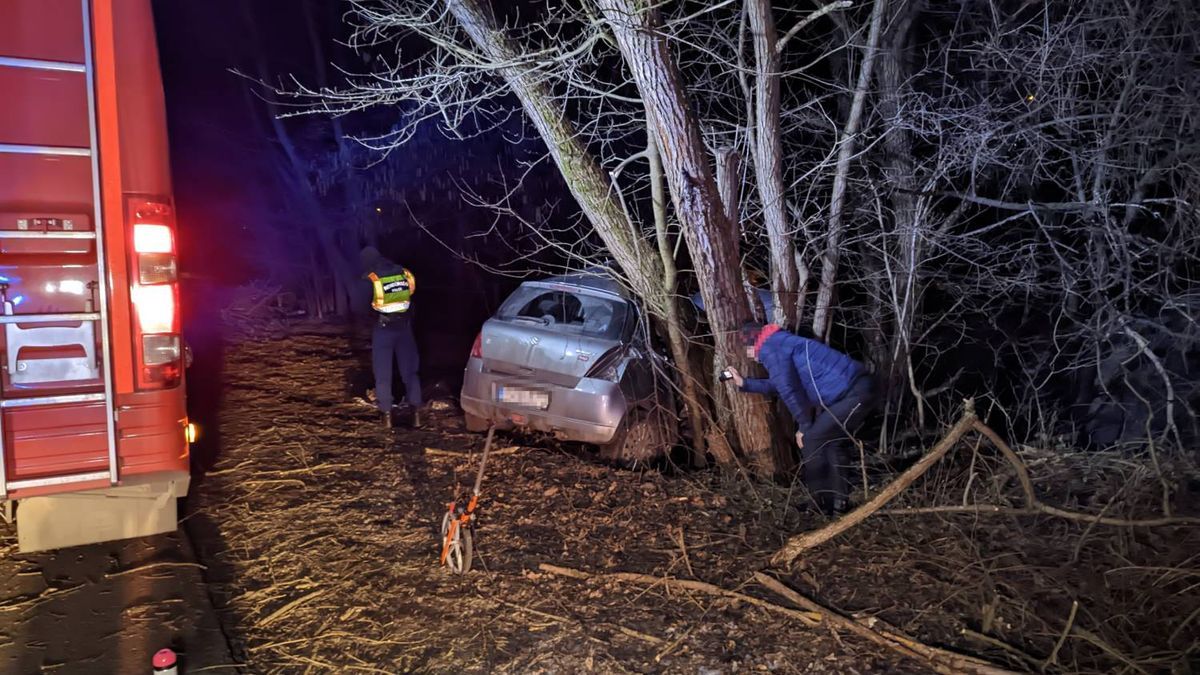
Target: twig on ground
(1042, 510)
(562, 619)
(435, 452)
(807, 618)
(683, 548)
(287, 609)
(1053, 658)
(1001, 645)
(1091, 637)
(152, 566)
(941, 660)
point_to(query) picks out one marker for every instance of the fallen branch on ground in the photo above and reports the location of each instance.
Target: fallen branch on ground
(807, 618)
(562, 619)
(1041, 510)
(152, 566)
(802, 542)
(968, 422)
(943, 661)
(1034, 504)
(286, 609)
(453, 453)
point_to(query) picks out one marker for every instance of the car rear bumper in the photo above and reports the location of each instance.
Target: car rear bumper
(589, 413)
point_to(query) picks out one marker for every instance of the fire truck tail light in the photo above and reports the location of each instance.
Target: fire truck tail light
(152, 238)
(155, 307)
(154, 290)
(156, 268)
(159, 350)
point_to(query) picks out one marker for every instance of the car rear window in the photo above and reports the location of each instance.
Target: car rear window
(566, 311)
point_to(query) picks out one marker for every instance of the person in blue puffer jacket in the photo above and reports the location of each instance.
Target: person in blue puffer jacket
(828, 393)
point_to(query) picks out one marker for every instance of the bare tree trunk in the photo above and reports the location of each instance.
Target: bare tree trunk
(768, 164)
(906, 242)
(675, 334)
(294, 176)
(588, 182)
(712, 240)
(837, 202)
(729, 181)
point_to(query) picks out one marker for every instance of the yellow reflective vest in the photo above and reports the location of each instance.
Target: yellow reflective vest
(393, 294)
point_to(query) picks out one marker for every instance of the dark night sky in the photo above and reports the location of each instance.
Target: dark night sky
(225, 185)
(217, 146)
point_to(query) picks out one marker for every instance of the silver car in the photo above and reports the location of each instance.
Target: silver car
(569, 356)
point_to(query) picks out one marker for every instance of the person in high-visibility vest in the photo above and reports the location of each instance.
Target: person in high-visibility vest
(392, 289)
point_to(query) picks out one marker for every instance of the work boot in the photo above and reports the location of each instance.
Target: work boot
(832, 506)
(416, 418)
(387, 419)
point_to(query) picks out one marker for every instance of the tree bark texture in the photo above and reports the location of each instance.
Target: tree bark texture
(848, 142)
(712, 240)
(675, 333)
(589, 183)
(768, 164)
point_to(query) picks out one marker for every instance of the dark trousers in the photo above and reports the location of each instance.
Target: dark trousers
(394, 343)
(826, 469)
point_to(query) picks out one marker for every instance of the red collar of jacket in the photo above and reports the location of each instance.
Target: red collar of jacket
(767, 331)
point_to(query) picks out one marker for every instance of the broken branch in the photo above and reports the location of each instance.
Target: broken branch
(943, 661)
(807, 618)
(802, 542)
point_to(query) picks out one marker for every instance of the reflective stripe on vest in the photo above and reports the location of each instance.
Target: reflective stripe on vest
(393, 294)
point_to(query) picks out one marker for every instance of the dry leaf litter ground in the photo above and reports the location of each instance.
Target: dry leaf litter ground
(319, 531)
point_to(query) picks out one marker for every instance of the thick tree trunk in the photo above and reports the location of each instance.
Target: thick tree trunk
(768, 164)
(588, 182)
(847, 143)
(729, 183)
(712, 240)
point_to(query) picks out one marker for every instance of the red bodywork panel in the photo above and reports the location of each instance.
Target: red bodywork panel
(55, 192)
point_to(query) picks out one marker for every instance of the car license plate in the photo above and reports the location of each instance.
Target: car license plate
(526, 398)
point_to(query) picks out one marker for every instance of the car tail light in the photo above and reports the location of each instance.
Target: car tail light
(155, 294)
(608, 366)
(477, 348)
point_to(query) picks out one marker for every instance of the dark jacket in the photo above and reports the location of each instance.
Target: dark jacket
(805, 373)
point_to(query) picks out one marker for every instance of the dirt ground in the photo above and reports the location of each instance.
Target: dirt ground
(318, 529)
(106, 608)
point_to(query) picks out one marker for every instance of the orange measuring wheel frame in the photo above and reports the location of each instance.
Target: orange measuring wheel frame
(457, 544)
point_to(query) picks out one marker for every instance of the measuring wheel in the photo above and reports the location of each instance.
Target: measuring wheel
(456, 547)
(457, 521)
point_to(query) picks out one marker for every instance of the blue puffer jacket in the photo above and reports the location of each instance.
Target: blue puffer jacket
(805, 373)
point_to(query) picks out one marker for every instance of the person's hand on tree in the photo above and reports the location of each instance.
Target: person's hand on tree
(800, 439)
(737, 377)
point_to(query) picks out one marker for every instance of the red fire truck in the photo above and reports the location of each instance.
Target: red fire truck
(94, 434)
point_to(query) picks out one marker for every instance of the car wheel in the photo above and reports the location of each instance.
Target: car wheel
(644, 436)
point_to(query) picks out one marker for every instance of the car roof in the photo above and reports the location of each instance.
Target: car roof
(596, 279)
